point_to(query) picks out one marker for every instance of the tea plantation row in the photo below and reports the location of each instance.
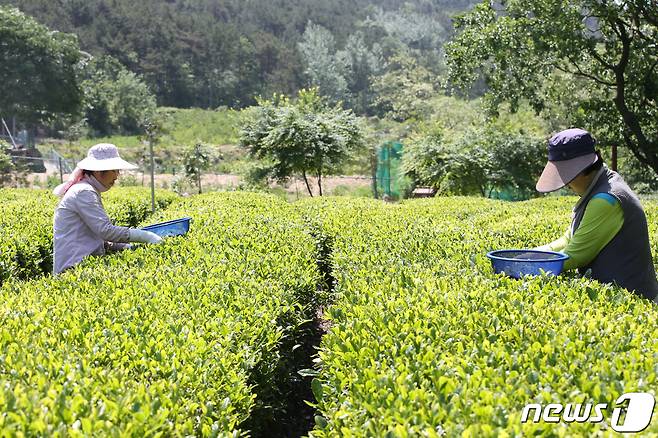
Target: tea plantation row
(198, 335)
(426, 341)
(187, 338)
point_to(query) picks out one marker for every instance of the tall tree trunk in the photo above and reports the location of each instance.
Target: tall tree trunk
(308, 187)
(614, 157)
(635, 138)
(320, 182)
(373, 169)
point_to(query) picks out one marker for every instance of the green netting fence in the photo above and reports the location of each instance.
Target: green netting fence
(388, 169)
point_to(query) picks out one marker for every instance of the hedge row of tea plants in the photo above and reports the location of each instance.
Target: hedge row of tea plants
(425, 340)
(26, 225)
(198, 336)
(179, 339)
(131, 206)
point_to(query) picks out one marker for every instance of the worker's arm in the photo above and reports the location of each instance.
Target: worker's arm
(557, 245)
(90, 209)
(93, 215)
(602, 220)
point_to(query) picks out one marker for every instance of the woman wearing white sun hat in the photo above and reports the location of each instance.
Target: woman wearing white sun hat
(81, 226)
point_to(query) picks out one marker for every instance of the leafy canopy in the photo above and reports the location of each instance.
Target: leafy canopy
(307, 137)
(596, 59)
(478, 162)
(462, 151)
(38, 69)
(196, 160)
(116, 100)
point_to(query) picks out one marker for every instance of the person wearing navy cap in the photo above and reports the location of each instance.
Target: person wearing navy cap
(608, 235)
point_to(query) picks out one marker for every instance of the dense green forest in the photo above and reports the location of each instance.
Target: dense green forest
(210, 53)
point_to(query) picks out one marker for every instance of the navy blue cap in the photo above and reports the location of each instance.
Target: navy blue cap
(569, 152)
(570, 143)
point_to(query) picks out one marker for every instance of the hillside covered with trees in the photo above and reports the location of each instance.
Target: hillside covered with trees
(210, 53)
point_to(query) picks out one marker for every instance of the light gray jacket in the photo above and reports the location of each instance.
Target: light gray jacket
(81, 226)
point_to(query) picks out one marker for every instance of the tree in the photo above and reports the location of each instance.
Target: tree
(116, 100)
(360, 64)
(420, 34)
(323, 69)
(403, 92)
(342, 75)
(6, 165)
(38, 69)
(605, 50)
(196, 160)
(476, 161)
(209, 53)
(13, 171)
(307, 137)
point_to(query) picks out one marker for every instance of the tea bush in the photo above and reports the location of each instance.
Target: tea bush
(197, 336)
(179, 339)
(425, 340)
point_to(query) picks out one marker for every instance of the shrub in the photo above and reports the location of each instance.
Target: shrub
(425, 340)
(185, 338)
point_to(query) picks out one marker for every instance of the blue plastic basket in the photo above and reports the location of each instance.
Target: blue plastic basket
(177, 227)
(519, 262)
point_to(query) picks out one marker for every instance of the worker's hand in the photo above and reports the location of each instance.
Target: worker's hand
(543, 248)
(144, 236)
(116, 246)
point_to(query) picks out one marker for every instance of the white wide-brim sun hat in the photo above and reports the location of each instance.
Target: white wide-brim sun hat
(105, 156)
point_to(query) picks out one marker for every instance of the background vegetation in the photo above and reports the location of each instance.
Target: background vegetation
(470, 94)
(207, 53)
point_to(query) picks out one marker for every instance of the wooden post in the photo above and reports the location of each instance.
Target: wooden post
(614, 158)
(151, 131)
(61, 173)
(152, 174)
(373, 168)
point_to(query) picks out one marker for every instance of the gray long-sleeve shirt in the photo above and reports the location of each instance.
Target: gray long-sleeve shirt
(81, 226)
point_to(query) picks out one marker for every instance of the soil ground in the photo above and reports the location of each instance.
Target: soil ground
(295, 188)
